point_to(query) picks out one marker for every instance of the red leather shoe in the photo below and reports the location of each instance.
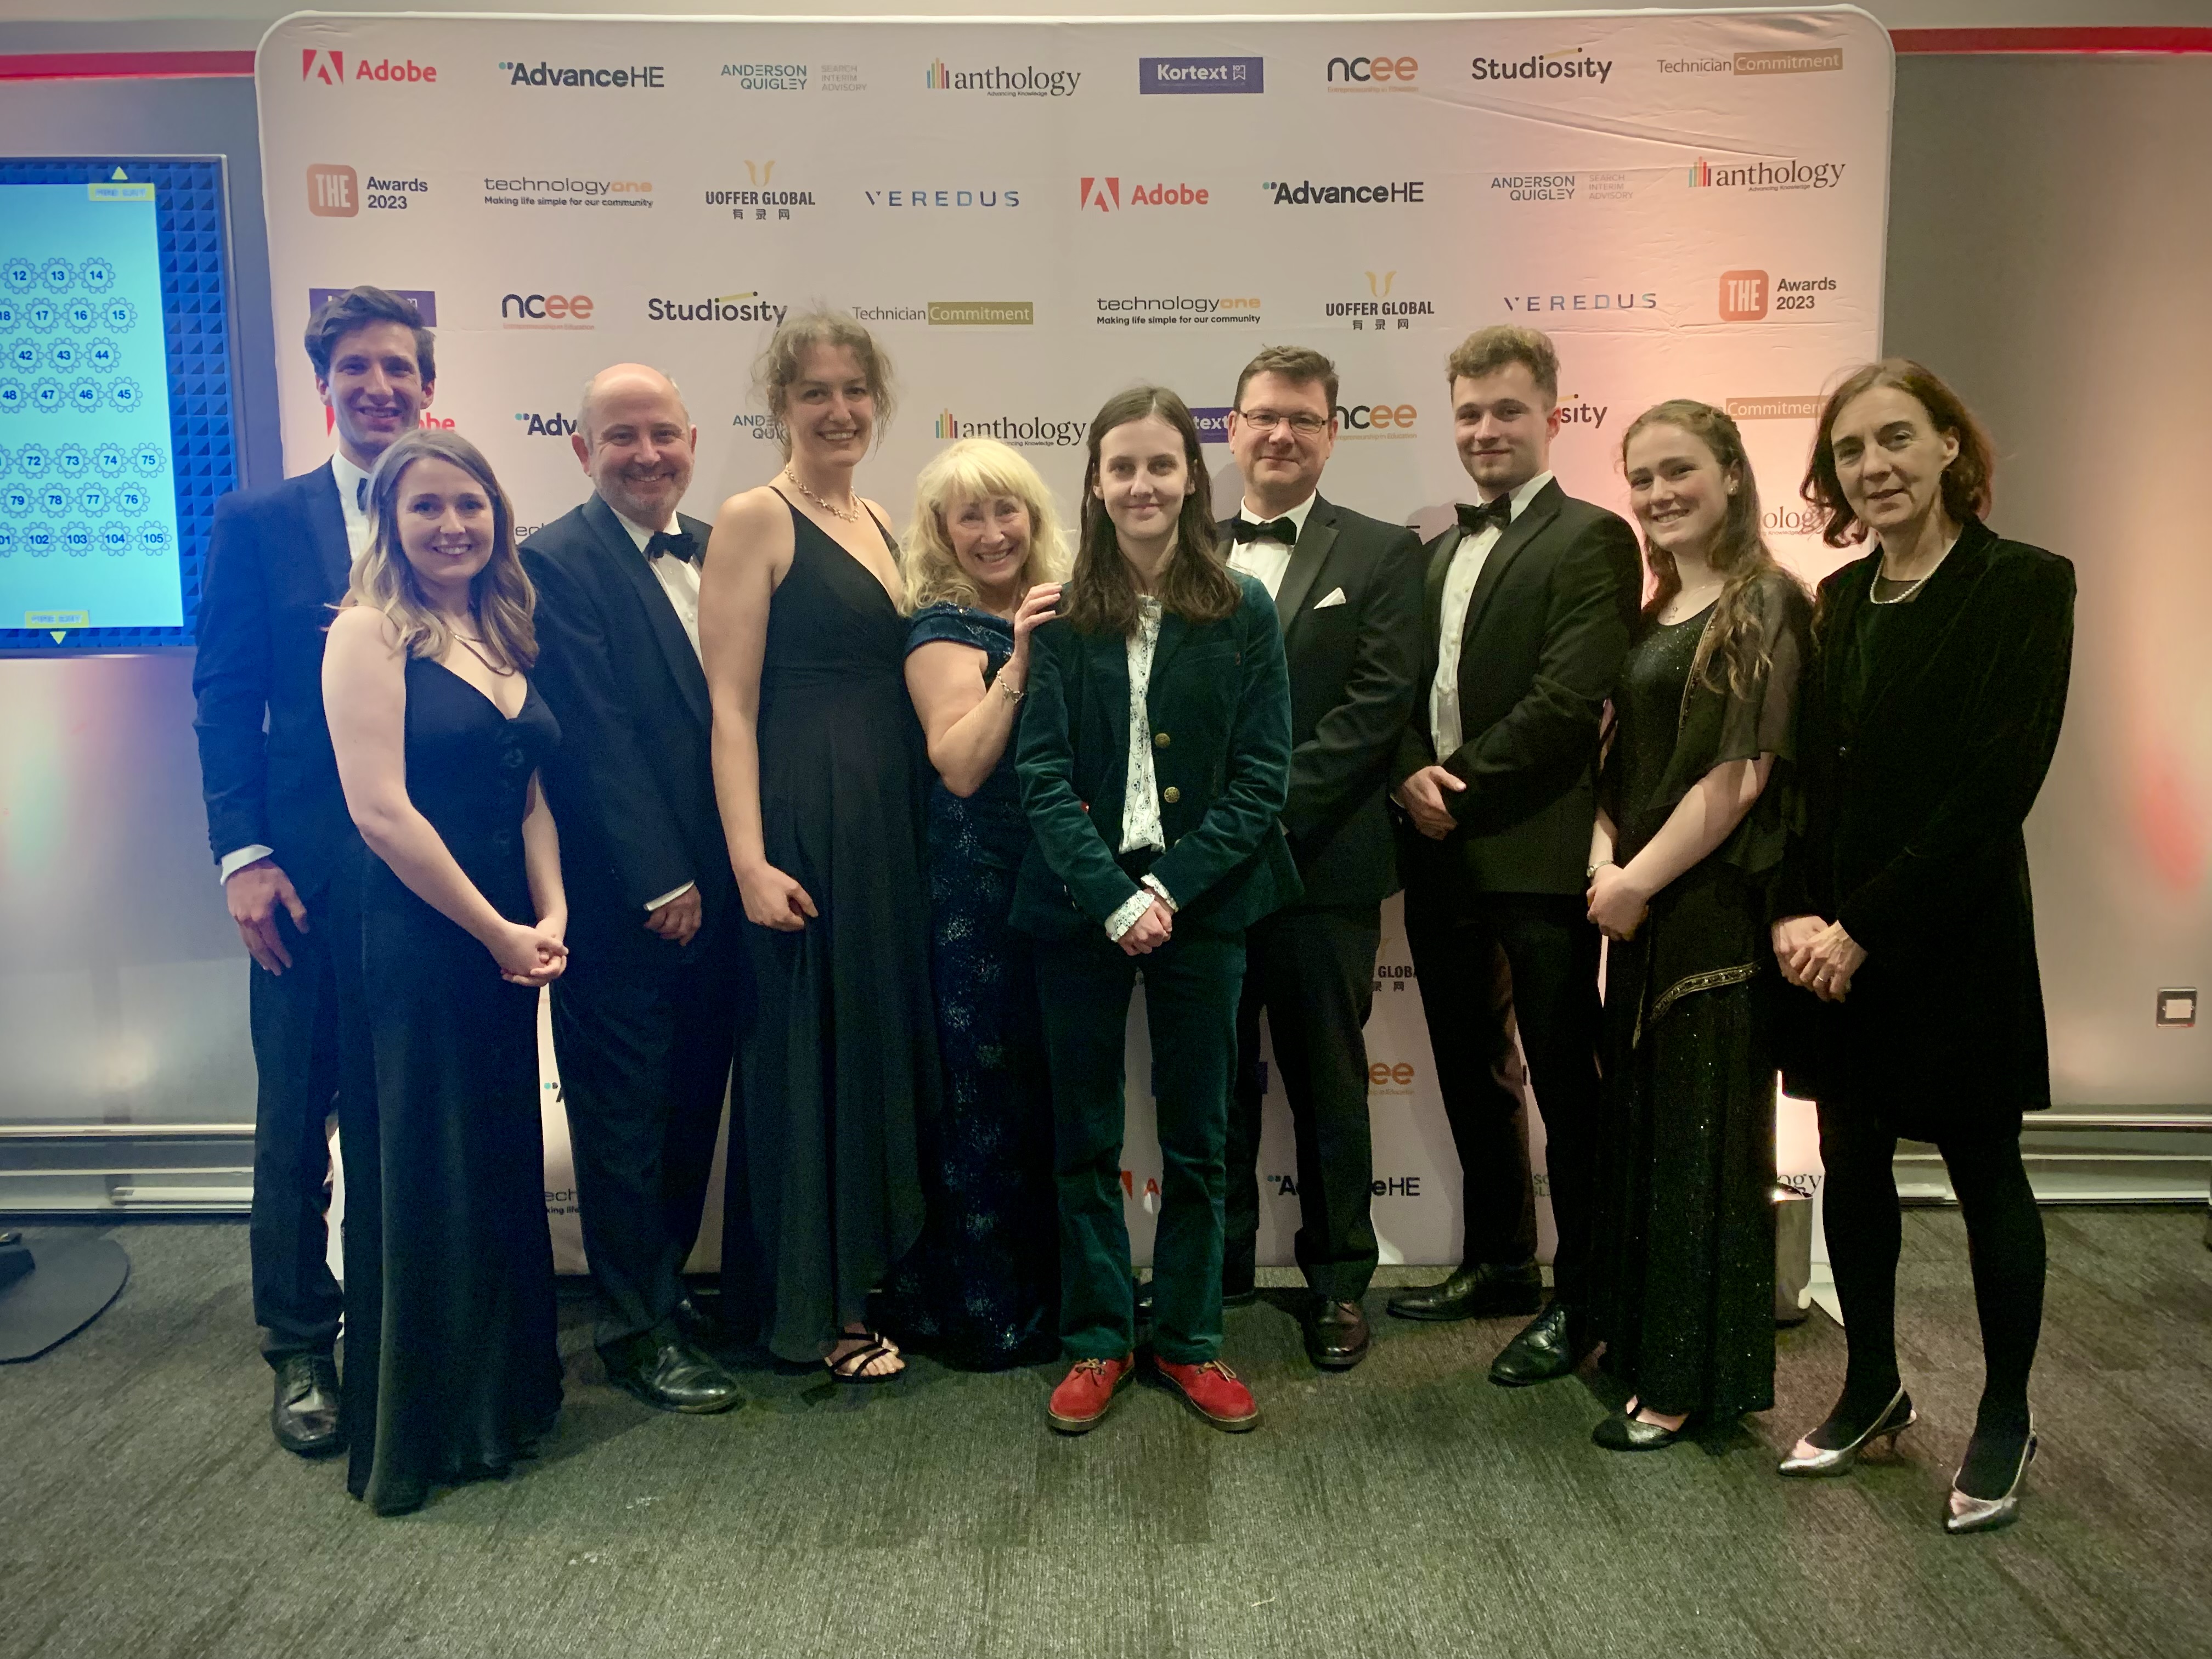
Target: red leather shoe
(1080, 1404)
(1212, 1391)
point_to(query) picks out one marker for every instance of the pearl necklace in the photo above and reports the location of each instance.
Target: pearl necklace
(850, 515)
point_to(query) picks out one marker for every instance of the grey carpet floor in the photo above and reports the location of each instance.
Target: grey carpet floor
(1407, 1508)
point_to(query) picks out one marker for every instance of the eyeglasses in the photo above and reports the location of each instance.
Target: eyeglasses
(1305, 423)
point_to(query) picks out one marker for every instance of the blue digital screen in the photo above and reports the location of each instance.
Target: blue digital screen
(116, 418)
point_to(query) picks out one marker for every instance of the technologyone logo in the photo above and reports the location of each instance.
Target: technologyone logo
(1569, 64)
(648, 77)
(1122, 310)
(1023, 431)
(1105, 193)
(327, 68)
(999, 82)
(746, 307)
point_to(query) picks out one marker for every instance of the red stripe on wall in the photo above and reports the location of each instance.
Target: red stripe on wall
(2052, 40)
(124, 65)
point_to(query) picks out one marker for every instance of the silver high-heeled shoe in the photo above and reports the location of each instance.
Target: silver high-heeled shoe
(1896, 1418)
(1968, 1514)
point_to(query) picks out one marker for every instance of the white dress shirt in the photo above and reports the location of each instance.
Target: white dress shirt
(353, 492)
(1140, 799)
(1467, 561)
(1266, 559)
(679, 580)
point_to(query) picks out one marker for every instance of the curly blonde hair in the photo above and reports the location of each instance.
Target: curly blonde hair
(499, 594)
(976, 470)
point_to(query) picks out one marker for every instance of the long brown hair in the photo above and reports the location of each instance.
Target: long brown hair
(499, 594)
(1732, 653)
(1194, 583)
(1967, 483)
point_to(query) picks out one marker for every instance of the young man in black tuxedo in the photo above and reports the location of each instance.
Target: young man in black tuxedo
(1529, 602)
(1347, 591)
(645, 1018)
(278, 562)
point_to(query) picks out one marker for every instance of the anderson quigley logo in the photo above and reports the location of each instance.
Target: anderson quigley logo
(1022, 431)
(766, 77)
(746, 307)
(1202, 74)
(1764, 175)
(998, 81)
(643, 77)
(1573, 64)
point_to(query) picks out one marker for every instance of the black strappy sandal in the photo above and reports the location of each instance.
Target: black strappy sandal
(852, 1368)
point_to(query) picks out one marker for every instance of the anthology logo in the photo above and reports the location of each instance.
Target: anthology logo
(1529, 304)
(546, 311)
(1384, 307)
(1106, 195)
(767, 77)
(649, 77)
(760, 199)
(328, 69)
(1373, 74)
(746, 307)
(1791, 520)
(1571, 63)
(556, 425)
(1358, 420)
(999, 82)
(1202, 74)
(969, 196)
(1022, 431)
(1125, 310)
(1766, 175)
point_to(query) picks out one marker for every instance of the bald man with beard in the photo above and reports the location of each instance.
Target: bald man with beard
(645, 1018)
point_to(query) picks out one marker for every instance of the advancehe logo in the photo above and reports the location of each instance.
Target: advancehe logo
(649, 77)
(556, 425)
(999, 82)
(1023, 431)
(1202, 74)
(1306, 193)
(329, 68)
(1105, 194)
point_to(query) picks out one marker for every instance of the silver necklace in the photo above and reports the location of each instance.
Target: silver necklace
(1918, 581)
(851, 515)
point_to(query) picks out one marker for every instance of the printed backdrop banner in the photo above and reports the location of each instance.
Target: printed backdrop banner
(1034, 214)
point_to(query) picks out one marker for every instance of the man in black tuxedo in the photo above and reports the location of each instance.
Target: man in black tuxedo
(1347, 592)
(278, 562)
(645, 1018)
(1529, 601)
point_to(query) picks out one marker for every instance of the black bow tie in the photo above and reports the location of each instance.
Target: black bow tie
(1281, 530)
(1475, 519)
(361, 495)
(682, 543)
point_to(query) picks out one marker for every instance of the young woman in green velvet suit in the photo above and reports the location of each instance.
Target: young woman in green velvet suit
(1154, 761)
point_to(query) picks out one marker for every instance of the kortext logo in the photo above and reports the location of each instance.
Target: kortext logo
(999, 82)
(1305, 194)
(1766, 175)
(767, 77)
(1106, 196)
(546, 311)
(1122, 310)
(1202, 74)
(1212, 424)
(1571, 63)
(1023, 431)
(969, 196)
(645, 78)
(333, 193)
(1376, 74)
(746, 307)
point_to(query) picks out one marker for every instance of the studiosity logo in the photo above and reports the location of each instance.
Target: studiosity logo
(1022, 431)
(998, 81)
(637, 77)
(746, 307)
(1569, 64)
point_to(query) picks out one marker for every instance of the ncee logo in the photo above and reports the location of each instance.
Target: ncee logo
(329, 67)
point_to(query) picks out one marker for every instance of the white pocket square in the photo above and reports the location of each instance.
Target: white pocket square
(1335, 597)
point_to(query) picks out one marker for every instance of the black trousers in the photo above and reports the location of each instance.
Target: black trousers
(1528, 960)
(311, 1051)
(1313, 972)
(643, 1037)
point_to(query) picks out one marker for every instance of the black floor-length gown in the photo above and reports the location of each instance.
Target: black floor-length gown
(453, 1369)
(838, 1064)
(982, 1288)
(1684, 1239)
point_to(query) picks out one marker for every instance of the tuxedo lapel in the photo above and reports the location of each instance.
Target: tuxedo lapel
(666, 628)
(1511, 542)
(1173, 631)
(326, 527)
(1306, 558)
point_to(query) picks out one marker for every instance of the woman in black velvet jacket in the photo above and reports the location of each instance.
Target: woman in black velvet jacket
(1930, 709)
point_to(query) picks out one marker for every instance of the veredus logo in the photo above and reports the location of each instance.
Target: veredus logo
(1119, 310)
(1766, 175)
(761, 199)
(1613, 301)
(423, 299)
(1106, 196)
(334, 191)
(958, 196)
(566, 311)
(767, 77)
(746, 307)
(1814, 62)
(556, 425)
(1202, 74)
(1358, 421)
(1383, 306)
(1572, 63)
(645, 78)
(558, 192)
(999, 82)
(1023, 431)
(1306, 193)
(1775, 408)
(328, 69)
(1376, 74)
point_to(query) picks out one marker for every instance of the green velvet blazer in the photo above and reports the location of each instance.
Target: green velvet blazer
(1219, 706)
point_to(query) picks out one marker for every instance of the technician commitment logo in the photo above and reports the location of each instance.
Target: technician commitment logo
(1814, 62)
(1202, 74)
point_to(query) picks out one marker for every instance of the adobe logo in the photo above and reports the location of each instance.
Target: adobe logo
(1105, 193)
(333, 193)
(1743, 296)
(317, 64)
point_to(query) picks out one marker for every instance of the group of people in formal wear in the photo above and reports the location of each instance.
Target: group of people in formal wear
(872, 834)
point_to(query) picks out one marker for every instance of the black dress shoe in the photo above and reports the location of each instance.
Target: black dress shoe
(1484, 1291)
(1621, 1433)
(1336, 1335)
(1239, 1293)
(698, 1327)
(670, 1376)
(1551, 1345)
(306, 1414)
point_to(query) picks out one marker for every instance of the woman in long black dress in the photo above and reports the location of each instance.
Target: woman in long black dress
(1933, 701)
(1688, 839)
(452, 1369)
(819, 773)
(983, 563)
